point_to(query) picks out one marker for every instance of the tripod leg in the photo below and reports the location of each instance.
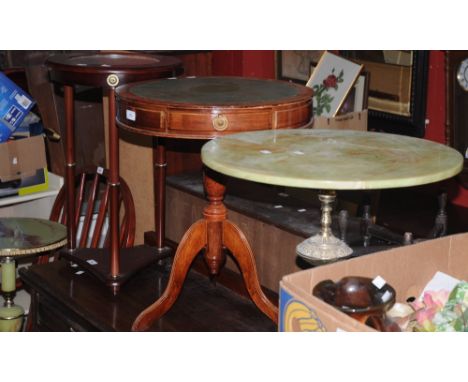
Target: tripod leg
(237, 243)
(190, 245)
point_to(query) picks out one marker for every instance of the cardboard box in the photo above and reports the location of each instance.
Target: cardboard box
(22, 158)
(23, 167)
(408, 269)
(15, 104)
(351, 121)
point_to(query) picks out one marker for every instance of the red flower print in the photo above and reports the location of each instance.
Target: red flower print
(330, 81)
(323, 98)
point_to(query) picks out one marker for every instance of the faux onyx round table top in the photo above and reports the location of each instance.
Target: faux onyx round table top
(29, 236)
(205, 107)
(92, 68)
(331, 159)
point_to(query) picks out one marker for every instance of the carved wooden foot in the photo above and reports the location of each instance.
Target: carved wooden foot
(237, 243)
(190, 245)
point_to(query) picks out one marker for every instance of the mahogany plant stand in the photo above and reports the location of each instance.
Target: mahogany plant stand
(113, 266)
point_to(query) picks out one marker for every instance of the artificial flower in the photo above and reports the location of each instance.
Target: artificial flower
(427, 308)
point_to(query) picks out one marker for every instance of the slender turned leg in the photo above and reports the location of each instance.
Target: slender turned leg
(157, 237)
(70, 165)
(160, 165)
(213, 232)
(114, 190)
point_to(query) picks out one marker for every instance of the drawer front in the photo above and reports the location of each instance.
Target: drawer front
(207, 123)
(201, 123)
(140, 118)
(215, 123)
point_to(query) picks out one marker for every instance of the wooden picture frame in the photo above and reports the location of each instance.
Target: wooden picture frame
(397, 89)
(332, 80)
(293, 65)
(357, 97)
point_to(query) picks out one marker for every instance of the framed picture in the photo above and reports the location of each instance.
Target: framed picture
(397, 89)
(331, 82)
(293, 65)
(356, 100)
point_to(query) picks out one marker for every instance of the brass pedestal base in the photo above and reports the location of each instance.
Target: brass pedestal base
(324, 247)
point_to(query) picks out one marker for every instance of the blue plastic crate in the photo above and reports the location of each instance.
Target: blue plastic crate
(15, 104)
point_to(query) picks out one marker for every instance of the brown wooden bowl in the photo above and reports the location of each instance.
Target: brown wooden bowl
(356, 295)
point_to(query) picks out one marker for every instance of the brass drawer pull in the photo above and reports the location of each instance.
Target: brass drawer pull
(220, 123)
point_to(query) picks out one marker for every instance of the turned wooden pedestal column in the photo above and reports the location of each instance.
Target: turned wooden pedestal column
(215, 234)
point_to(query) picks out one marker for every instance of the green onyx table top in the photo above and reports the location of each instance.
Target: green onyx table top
(331, 159)
(29, 236)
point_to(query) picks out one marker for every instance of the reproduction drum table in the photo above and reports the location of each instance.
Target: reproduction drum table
(331, 160)
(205, 108)
(22, 237)
(106, 71)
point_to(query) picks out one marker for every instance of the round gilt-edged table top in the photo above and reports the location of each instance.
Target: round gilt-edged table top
(92, 69)
(331, 159)
(206, 107)
(30, 236)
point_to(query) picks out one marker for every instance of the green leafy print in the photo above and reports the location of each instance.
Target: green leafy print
(322, 97)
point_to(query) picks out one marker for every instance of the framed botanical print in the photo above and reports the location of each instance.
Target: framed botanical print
(331, 82)
(357, 98)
